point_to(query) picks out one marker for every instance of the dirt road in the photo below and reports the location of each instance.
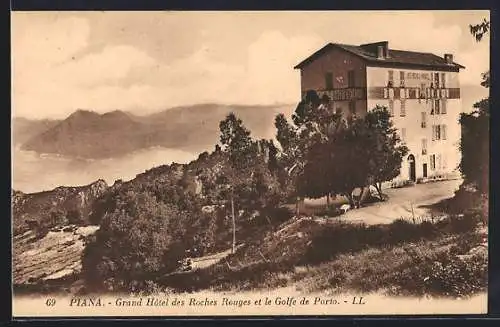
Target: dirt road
(403, 202)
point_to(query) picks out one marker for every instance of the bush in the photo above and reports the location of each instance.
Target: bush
(449, 275)
(137, 242)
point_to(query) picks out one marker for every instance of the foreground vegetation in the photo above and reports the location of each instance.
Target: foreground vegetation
(442, 258)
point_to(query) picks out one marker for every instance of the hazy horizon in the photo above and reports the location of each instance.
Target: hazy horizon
(144, 62)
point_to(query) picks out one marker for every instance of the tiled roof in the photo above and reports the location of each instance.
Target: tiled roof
(397, 57)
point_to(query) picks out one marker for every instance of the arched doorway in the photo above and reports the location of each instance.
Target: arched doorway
(411, 164)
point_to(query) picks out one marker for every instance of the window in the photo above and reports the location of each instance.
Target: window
(403, 134)
(433, 161)
(402, 79)
(437, 107)
(443, 132)
(350, 78)
(391, 78)
(436, 132)
(443, 80)
(424, 146)
(403, 108)
(391, 107)
(391, 93)
(329, 81)
(436, 80)
(443, 107)
(423, 124)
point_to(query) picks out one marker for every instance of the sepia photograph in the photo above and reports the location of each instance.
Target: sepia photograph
(249, 163)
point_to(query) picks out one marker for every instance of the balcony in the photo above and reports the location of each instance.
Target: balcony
(344, 94)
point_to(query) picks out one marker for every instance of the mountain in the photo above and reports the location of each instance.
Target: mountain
(194, 128)
(24, 129)
(88, 134)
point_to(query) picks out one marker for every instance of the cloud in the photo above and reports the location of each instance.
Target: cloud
(51, 77)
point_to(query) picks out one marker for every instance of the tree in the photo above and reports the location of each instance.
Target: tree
(474, 143)
(385, 151)
(241, 153)
(329, 168)
(138, 241)
(313, 123)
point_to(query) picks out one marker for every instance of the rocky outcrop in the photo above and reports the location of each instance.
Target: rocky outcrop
(61, 206)
(55, 258)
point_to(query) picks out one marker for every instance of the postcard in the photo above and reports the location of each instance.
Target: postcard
(251, 163)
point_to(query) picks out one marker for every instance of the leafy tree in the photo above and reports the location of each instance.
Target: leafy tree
(313, 123)
(241, 153)
(384, 150)
(329, 168)
(138, 241)
(474, 143)
(480, 30)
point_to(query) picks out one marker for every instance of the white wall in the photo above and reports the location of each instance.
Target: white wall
(411, 122)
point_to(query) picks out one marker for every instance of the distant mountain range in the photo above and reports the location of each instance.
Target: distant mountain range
(87, 134)
(195, 128)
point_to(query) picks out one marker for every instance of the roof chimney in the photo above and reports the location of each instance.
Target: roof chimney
(380, 52)
(449, 58)
(380, 49)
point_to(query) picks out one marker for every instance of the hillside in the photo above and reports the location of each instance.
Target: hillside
(195, 128)
(24, 129)
(40, 211)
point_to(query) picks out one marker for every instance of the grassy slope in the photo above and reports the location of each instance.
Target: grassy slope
(447, 259)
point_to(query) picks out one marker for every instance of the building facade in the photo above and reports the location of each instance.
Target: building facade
(420, 90)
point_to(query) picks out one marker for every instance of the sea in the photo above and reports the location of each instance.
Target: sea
(33, 172)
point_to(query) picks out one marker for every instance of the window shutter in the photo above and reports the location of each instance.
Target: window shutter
(391, 93)
(417, 93)
(391, 107)
(444, 162)
(386, 93)
(443, 132)
(439, 161)
(443, 108)
(403, 108)
(433, 132)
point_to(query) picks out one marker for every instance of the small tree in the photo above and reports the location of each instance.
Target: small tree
(241, 154)
(384, 150)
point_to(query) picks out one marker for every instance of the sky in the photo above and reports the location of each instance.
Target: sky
(149, 61)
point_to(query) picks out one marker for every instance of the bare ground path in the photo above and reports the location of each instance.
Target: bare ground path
(406, 202)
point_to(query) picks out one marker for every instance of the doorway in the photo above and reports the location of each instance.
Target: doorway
(425, 170)
(411, 162)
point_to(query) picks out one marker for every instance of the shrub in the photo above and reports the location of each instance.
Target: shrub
(449, 275)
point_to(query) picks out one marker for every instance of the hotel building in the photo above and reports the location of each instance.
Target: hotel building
(420, 90)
